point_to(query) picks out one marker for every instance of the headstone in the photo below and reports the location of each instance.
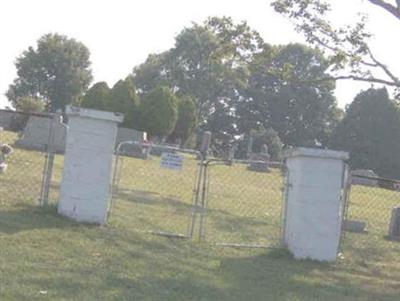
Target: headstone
(159, 149)
(354, 226)
(313, 207)
(141, 151)
(88, 162)
(125, 134)
(36, 135)
(231, 155)
(249, 147)
(260, 161)
(394, 227)
(6, 119)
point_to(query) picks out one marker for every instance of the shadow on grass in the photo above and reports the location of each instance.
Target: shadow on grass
(29, 217)
(273, 275)
(152, 199)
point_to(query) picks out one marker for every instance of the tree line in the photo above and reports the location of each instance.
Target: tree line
(222, 77)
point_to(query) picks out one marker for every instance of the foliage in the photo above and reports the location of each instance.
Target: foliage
(209, 64)
(159, 112)
(97, 97)
(186, 120)
(348, 46)
(279, 96)
(123, 99)
(370, 132)
(57, 71)
(239, 83)
(29, 104)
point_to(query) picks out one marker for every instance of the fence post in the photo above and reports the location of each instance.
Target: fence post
(205, 145)
(89, 153)
(48, 165)
(313, 206)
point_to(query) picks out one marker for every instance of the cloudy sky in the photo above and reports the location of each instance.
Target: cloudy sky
(121, 33)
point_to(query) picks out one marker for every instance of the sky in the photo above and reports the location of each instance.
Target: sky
(120, 34)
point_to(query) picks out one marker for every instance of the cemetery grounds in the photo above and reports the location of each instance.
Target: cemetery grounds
(47, 257)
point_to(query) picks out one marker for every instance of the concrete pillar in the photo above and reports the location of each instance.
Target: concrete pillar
(88, 162)
(313, 213)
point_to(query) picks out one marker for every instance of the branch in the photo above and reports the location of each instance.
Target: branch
(352, 77)
(395, 11)
(394, 78)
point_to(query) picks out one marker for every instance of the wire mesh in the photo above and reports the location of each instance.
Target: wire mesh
(21, 181)
(156, 199)
(244, 206)
(368, 219)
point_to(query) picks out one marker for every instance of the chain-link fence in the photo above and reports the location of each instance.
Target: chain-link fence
(244, 203)
(155, 184)
(27, 173)
(231, 203)
(371, 228)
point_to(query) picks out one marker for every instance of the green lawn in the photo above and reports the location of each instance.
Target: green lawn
(47, 257)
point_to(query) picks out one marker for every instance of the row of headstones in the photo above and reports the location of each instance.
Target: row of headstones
(257, 161)
(39, 132)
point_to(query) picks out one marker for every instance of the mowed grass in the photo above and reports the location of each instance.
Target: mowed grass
(47, 257)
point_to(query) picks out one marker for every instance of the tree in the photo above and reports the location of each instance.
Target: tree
(209, 64)
(29, 104)
(123, 99)
(159, 112)
(347, 46)
(186, 120)
(57, 72)
(279, 96)
(97, 97)
(370, 132)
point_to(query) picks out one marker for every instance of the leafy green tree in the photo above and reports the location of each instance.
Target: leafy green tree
(350, 55)
(209, 64)
(186, 120)
(123, 99)
(159, 112)
(370, 132)
(280, 97)
(29, 104)
(57, 71)
(97, 97)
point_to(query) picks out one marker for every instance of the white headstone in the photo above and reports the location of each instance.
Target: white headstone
(86, 183)
(313, 213)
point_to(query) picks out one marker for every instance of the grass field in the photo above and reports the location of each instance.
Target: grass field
(46, 257)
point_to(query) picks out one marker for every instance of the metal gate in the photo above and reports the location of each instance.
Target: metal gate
(366, 227)
(243, 206)
(155, 196)
(28, 177)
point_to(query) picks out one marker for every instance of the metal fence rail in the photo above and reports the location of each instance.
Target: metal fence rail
(244, 207)
(23, 180)
(368, 216)
(158, 199)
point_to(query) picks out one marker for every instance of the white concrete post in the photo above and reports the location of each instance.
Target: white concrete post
(313, 213)
(89, 154)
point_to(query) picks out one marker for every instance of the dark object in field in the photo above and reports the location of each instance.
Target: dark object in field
(354, 226)
(5, 149)
(259, 162)
(394, 227)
